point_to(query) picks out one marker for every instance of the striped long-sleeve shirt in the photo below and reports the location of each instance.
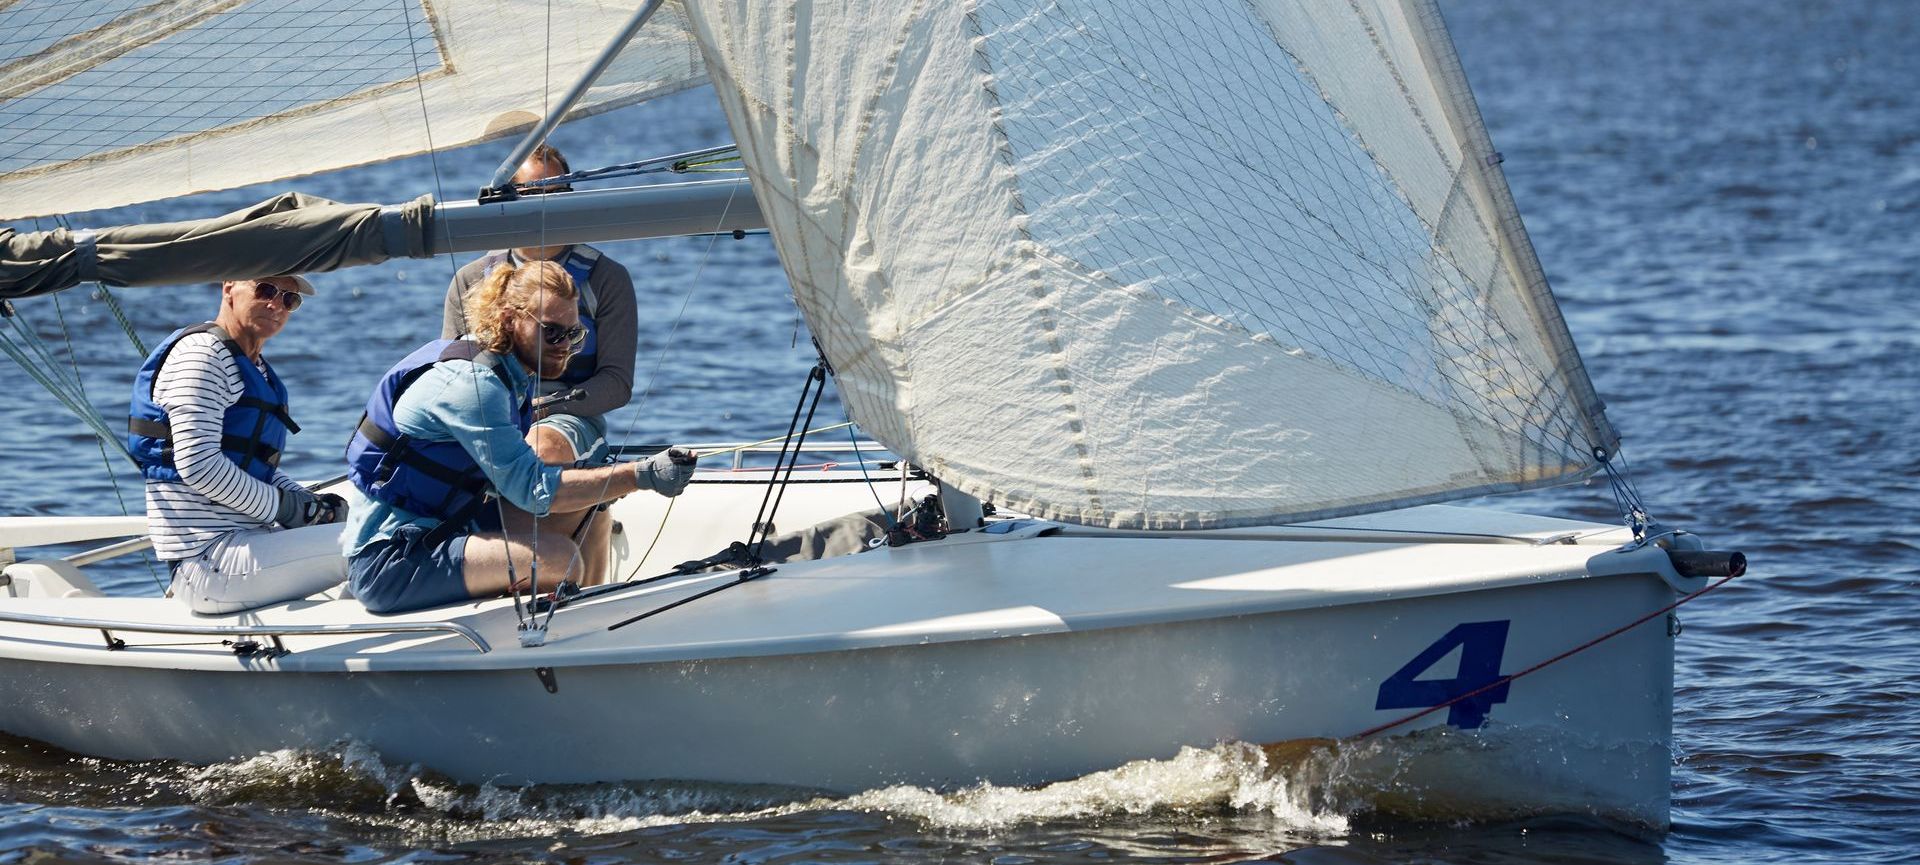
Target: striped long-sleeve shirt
(196, 385)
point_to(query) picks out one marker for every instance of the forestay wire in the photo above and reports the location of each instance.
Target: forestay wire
(21, 342)
(1626, 496)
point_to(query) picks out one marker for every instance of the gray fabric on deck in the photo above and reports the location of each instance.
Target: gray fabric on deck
(284, 235)
(840, 536)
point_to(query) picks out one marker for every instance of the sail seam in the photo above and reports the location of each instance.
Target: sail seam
(1497, 336)
(1047, 319)
(142, 19)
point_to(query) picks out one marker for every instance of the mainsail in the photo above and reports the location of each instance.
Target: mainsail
(111, 103)
(1140, 264)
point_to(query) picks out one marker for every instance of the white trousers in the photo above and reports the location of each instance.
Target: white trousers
(250, 568)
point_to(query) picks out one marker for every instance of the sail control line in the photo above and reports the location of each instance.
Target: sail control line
(751, 552)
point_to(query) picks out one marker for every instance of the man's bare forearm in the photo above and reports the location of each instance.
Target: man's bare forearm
(583, 488)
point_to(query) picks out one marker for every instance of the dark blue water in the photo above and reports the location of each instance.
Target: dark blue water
(1726, 197)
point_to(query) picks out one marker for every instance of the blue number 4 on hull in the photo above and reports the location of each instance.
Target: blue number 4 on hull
(1481, 646)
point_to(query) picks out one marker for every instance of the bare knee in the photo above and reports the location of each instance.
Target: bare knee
(495, 566)
(551, 446)
(559, 559)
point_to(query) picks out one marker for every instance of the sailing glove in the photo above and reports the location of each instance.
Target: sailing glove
(666, 472)
(336, 508)
(298, 508)
(301, 508)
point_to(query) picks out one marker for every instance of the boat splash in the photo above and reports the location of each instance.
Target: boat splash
(1308, 788)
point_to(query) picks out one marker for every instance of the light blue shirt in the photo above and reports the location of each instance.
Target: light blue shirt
(461, 401)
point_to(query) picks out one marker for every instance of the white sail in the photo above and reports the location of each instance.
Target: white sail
(111, 103)
(1140, 264)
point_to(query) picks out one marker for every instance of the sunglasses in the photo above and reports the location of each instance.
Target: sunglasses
(543, 190)
(555, 334)
(289, 300)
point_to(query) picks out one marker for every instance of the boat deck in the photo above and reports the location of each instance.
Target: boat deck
(1025, 578)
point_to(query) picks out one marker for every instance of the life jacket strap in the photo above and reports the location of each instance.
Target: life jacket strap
(397, 448)
(273, 408)
(253, 449)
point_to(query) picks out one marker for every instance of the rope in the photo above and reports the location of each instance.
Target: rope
(1543, 664)
(66, 386)
(113, 304)
(26, 348)
(891, 522)
(657, 532)
(119, 315)
(786, 437)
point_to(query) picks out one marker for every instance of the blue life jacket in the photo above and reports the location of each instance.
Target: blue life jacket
(427, 478)
(252, 433)
(579, 262)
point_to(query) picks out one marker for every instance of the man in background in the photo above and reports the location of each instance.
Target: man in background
(570, 427)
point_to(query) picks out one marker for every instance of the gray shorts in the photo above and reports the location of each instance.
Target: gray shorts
(412, 570)
(586, 433)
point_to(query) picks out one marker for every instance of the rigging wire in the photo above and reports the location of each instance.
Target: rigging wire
(763, 519)
(113, 478)
(690, 162)
(1626, 495)
(666, 347)
(453, 271)
(862, 462)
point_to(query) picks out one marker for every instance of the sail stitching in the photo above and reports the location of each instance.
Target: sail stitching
(1076, 424)
(144, 26)
(279, 117)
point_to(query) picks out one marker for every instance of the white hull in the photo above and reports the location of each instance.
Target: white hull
(1007, 659)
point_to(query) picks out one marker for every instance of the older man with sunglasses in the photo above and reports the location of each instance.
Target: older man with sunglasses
(207, 425)
(570, 427)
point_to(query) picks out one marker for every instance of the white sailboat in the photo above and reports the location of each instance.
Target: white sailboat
(1212, 303)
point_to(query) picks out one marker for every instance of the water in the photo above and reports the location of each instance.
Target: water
(1725, 195)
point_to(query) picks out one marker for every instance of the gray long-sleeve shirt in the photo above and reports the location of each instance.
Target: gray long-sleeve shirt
(616, 321)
